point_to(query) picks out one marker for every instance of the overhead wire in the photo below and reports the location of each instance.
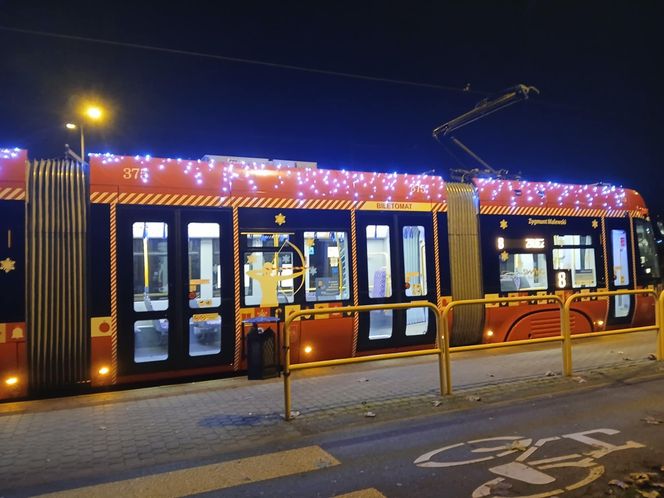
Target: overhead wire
(241, 60)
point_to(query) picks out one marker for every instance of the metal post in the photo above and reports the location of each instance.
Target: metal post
(82, 143)
(659, 320)
(443, 357)
(287, 390)
(446, 346)
(566, 332)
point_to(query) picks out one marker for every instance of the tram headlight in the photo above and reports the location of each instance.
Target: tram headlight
(489, 333)
(104, 371)
(308, 349)
(11, 381)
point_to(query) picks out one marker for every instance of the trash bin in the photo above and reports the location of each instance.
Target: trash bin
(262, 348)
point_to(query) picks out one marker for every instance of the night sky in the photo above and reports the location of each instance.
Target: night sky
(597, 65)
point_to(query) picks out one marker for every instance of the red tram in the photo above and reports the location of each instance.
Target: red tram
(174, 254)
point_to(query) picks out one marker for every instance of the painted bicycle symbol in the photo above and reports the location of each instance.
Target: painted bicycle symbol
(527, 469)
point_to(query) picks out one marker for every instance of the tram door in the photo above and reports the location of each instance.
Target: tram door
(395, 265)
(175, 302)
(620, 270)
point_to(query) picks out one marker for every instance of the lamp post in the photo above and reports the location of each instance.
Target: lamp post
(93, 113)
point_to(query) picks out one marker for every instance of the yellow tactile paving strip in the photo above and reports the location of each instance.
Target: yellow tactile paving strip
(212, 477)
(363, 493)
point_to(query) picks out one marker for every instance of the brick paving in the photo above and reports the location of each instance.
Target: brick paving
(52, 440)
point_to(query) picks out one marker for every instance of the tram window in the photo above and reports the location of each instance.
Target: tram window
(620, 262)
(580, 261)
(414, 261)
(378, 261)
(204, 334)
(268, 278)
(266, 240)
(150, 264)
(380, 324)
(647, 251)
(150, 340)
(522, 272)
(572, 240)
(326, 259)
(204, 269)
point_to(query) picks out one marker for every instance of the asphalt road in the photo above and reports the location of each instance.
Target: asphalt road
(565, 445)
(569, 445)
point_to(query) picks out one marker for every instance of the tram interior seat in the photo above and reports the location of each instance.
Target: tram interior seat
(379, 283)
(160, 325)
(514, 283)
(205, 331)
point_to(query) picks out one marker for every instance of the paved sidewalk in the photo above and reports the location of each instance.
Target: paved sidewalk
(71, 438)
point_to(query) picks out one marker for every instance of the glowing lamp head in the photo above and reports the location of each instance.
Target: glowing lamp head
(11, 381)
(104, 371)
(94, 112)
(71, 126)
(308, 349)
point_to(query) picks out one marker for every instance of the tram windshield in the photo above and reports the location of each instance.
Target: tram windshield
(645, 239)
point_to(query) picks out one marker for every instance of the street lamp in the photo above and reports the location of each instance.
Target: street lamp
(91, 113)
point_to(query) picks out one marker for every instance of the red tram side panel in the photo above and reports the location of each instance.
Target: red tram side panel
(13, 352)
(278, 228)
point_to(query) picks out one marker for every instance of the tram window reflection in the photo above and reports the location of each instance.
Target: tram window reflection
(579, 260)
(150, 265)
(378, 261)
(204, 334)
(150, 340)
(520, 272)
(326, 259)
(204, 265)
(268, 279)
(415, 267)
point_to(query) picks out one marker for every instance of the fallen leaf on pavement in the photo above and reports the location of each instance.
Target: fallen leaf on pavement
(363, 379)
(516, 445)
(618, 483)
(549, 373)
(473, 397)
(648, 494)
(652, 420)
(437, 402)
(580, 380)
(639, 478)
(369, 414)
(651, 357)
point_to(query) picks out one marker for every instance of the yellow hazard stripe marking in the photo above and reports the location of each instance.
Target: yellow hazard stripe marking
(12, 193)
(211, 477)
(236, 289)
(353, 261)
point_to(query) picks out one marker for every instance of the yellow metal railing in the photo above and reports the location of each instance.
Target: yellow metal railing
(566, 328)
(441, 346)
(446, 324)
(443, 349)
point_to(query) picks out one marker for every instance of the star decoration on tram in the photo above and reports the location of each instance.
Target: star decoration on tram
(251, 259)
(504, 256)
(595, 224)
(280, 219)
(7, 265)
(503, 224)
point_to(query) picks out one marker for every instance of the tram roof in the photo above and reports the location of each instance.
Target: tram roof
(231, 177)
